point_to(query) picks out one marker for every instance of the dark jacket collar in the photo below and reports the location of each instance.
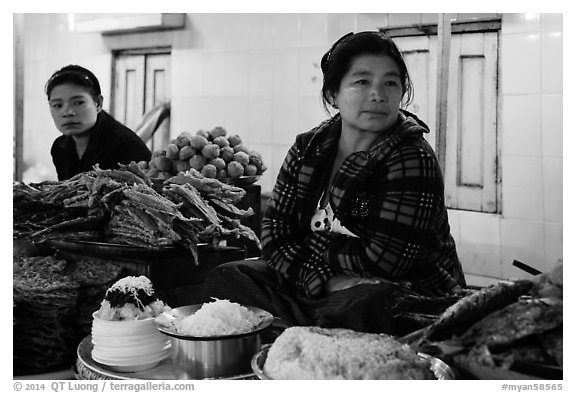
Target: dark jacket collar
(322, 147)
(327, 133)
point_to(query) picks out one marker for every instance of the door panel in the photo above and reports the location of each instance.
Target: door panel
(158, 91)
(142, 81)
(471, 171)
(420, 54)
(471, 141)
(129, 88)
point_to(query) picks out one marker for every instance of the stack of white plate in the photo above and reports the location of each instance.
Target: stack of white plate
(128, 346)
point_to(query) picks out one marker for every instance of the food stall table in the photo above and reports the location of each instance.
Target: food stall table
(175, 276)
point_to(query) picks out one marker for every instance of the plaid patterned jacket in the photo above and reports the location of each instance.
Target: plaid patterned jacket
(391, 196)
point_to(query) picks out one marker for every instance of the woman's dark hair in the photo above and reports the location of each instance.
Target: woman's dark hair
(74, 74)
(337, 61)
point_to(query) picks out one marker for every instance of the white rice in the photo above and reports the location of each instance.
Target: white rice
(218, 318)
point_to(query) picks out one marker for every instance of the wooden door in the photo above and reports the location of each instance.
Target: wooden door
(471, 159)
(142, 81)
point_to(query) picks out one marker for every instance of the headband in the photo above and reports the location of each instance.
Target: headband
(77, 74)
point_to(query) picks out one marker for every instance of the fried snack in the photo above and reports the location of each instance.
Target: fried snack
(319, 353)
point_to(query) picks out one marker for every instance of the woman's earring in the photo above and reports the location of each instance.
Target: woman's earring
(99, 103)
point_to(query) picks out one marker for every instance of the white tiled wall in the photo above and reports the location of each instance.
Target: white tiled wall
(530, 227)
(270, 64)
(258, 75)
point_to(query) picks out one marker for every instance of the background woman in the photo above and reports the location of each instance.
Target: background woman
(90, 135)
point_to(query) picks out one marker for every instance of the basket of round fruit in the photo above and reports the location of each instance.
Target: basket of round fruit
(212, 153)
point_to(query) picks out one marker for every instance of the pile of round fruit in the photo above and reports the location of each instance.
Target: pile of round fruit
(212, 153)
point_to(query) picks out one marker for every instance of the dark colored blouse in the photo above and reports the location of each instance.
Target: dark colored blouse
(111, 143)
(391, 197)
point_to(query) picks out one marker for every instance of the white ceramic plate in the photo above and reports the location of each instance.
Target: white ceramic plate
(117, 335)
(128, 352)
(129, 361)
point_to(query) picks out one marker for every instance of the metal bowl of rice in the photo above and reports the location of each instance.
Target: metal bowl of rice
(213, 340)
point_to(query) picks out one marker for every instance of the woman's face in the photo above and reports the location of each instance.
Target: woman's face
(73, 109)
(370, 94)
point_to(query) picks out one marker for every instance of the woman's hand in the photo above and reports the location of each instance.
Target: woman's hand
(340, 282)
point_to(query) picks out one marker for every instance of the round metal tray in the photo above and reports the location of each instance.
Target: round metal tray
(119, 250)
(242, 180)
(441, 370)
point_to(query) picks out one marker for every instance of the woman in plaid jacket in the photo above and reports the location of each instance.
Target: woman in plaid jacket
(357, 215)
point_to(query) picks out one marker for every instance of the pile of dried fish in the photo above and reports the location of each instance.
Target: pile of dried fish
(209, 187)
(508, 330)
(40, 210)
(123, 206)
(214, 202)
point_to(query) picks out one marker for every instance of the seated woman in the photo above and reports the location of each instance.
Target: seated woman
(357, 217)
(90, 135)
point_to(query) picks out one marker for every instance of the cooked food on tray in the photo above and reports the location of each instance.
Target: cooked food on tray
(123, 206)
(131, 298)
(521, 338)
(219, 318)
(124, 336)
(320, 353)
